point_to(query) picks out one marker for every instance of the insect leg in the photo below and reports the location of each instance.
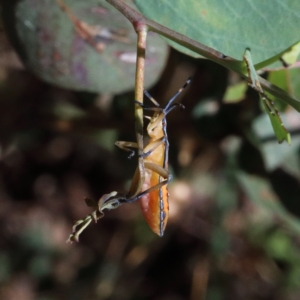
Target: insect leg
(151, 147)
(107, 201)
(146, 107)
(126, 145)
(157, 169)
(153, 188)
(82, 224)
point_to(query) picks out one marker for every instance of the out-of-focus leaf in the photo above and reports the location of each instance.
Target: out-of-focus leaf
(230, 27)
(95, 52)
(279, 245)
(220, 241)
(235, 93)
(105, 138)
(295, 80)
(5, 270)
(206, 107)
(40, 266)
(272, 153)
(226, 201)
(68, 111)
(282, 247)
(260, 193)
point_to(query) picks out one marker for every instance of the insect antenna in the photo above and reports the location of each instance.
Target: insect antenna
(178, 92)
(151, 98)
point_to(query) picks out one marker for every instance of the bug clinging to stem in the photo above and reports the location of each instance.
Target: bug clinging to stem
(154, 195)
(155, 204)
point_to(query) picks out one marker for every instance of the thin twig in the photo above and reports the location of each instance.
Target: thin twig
(141, 30)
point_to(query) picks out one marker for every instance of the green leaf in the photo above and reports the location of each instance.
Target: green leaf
(51, 46)
(286, 79)
(280, 79)
(294, 86)
(280, 94)
(268, 28)
(280, 131)
(275, 156)
(67, 111)
(105, 138)
(206, 107)
(290, 57)
(235, 93)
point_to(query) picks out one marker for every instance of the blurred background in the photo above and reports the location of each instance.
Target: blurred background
(233, 230)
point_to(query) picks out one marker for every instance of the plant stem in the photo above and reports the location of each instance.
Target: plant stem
(233, 64)
(142, 31)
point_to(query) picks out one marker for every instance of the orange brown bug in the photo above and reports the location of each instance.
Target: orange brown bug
(155, 204)
(154, 197)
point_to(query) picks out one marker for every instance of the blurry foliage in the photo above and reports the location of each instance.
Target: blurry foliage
(89, 46)
(234, 224)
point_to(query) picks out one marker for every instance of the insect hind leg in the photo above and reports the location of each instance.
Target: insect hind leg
(126, 147)
(157, 169)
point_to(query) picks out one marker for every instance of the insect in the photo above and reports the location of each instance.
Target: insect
(155, 204)
(154, 194)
